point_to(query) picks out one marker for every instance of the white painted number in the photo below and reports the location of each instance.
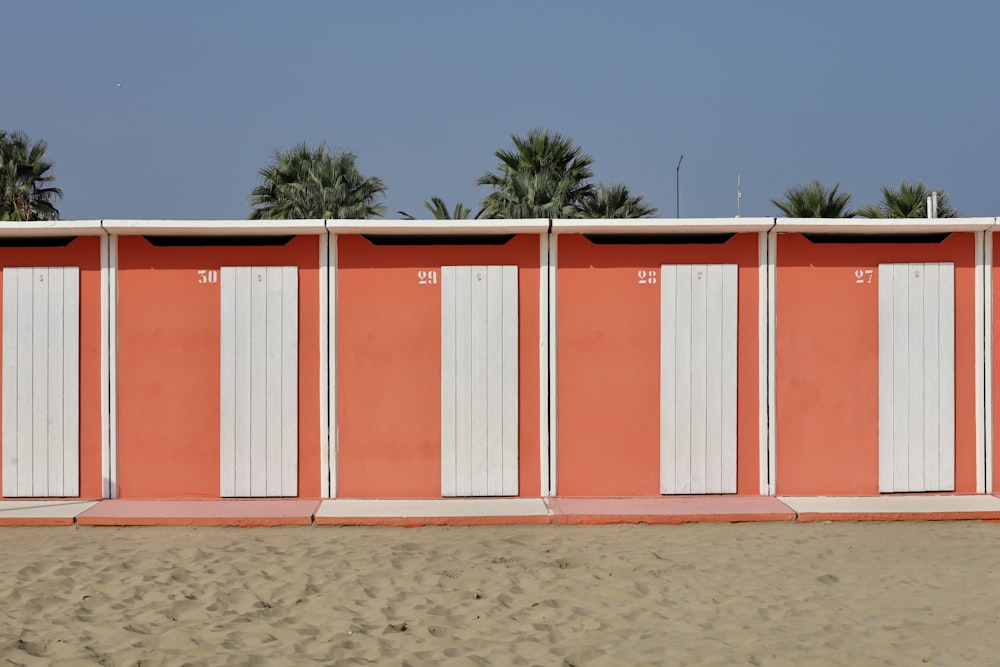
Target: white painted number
(207, 276)
(647, 276)
(863, 276)
(429, 277)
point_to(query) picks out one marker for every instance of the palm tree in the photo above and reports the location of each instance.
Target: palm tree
(440, 211)
(24, 178)
(545, 175)
(815, 200)
(909, 200)
(304, 183)
(614, 201)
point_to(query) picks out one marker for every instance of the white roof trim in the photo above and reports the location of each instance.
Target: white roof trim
(882, 226)
(214, 227)
(662, 226)
(442, 227)
(52, 228)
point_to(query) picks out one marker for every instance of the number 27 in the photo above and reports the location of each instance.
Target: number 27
(863, 276)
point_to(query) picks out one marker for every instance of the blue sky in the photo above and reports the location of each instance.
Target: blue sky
(859, 93)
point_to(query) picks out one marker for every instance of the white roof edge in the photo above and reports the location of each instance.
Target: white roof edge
(431, 227)
(214, 227)
(662, 225)
(995, 226)
(52, 228)
(882, 226)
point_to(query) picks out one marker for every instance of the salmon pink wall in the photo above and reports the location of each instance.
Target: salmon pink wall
(389, 364)
(996, 361)
(168, 364)
(608, 349)
(84, 252)
(827, 362)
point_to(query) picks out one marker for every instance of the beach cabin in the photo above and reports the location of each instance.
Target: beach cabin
(878, 353)
(439, 343)
(54, 348)
(220, 360)
(659, 354)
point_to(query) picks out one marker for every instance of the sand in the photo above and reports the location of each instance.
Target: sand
(709, 594)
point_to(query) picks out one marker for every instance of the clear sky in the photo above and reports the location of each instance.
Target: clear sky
(857, 92)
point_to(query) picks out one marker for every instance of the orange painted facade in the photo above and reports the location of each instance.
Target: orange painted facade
(608, 347)
(84, 252)
(389, 364)
(168, 364)
(827, 361)
(994, 328)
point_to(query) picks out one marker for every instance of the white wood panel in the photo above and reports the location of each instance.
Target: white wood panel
(272, 384)
(449, 380)
(241, 355)
(479, 358)
(463, 383)
(509, 410)
(916, 377)
(668, 375)
(946, 388)
(480, 384)
(698, 339)
(289, 375)
(259, 391)
(228, 381)
(41, 341)
(257, 445)
(493, 331)
(728, 380)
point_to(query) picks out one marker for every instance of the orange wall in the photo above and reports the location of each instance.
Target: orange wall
(996, 360)
(84, 252)
(609, 364)
(168, 365)
(389, 365)
(827, 362)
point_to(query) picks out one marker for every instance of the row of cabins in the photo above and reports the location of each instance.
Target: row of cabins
(423, 359)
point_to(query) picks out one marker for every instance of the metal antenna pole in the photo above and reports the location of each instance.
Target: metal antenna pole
(739, 196)
(679, 185)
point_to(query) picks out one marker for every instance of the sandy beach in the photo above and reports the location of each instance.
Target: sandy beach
(706, 594)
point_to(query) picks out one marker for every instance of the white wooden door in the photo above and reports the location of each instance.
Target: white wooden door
(41, 381)
(259, 381)
(698, 337)
(479, 374)
(916, 352)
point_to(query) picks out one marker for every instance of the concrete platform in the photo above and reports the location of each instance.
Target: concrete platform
(497, 511)
(922, 507)
(669, 510)
(250, 512)
(435, 512)
(42, 512)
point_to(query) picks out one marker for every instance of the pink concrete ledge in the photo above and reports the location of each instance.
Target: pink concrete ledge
(432, 512)
(896, 507)
(42, 512)
(248, 513)
(669, 510)
(418, 521)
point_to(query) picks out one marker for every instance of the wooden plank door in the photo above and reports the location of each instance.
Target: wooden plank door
(698, 335)
(916, 352)
(479, 375)
(259, 381)
(41, 381)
